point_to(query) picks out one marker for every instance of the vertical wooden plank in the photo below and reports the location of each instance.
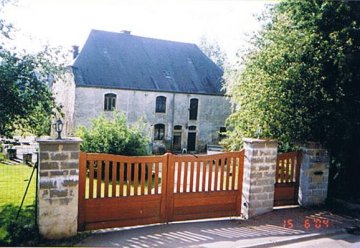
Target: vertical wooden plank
(216, 174)
(136, 178)
(185, 176)
(240, 171)
(197, 183)
(191, 164)
(98, 181)
(106, 194)
(293, 168)
(121, 180)
(203, 176)
(227, 164)
(156, 181)
(233, 171)
(277, 170)
(81, 194)
(91, 179)
(113, 180)
(286, 170)
(297, 168)
(209, 162)
(128, 178)
(149, 167)
(222, 161)
(178, 176)
(143, 172)
(170, 187)
(164, 187)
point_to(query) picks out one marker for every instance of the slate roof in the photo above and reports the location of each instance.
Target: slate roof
(125, 61)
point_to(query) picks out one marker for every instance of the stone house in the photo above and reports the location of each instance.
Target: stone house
(173, 86)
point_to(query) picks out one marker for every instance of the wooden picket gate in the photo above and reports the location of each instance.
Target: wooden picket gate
(287, 178)
(117, 191)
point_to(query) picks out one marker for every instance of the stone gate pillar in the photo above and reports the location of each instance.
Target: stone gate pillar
(259, 176)
(58, 187)
(314, 175)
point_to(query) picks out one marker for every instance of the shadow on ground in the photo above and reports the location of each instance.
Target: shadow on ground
(272, 227)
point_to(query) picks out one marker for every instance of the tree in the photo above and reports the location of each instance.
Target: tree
(213, 50)
(26, 101)
(114, 137)
(301, 82)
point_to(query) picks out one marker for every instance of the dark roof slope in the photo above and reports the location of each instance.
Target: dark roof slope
(125, 61)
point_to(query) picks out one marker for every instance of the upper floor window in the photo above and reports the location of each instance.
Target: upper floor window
(160, 104)
(193, 109)
(159, 132)
(109, 102)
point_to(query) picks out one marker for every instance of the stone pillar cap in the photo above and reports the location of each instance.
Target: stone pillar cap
(67, 140)
(253, 140)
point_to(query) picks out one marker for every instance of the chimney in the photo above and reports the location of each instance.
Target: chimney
(125, 32)
(75, 51)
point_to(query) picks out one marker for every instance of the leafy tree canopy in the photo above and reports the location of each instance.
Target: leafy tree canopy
(213, 50)
(114, 136)
(26, 101)
(301, 81)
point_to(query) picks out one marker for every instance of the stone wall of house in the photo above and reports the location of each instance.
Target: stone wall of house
(58, 187)
(314, 175)
(64, 92)
(212, 112)
(259, 176)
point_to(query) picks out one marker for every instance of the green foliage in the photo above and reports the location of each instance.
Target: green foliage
(300, 82)
(214, 52)
(21, 231)
(113, 136)
(26, 101)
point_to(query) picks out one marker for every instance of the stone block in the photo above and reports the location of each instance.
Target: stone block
(54, 193)
(44, 155)
(69, 165)
(75, 155)
(47, 184)
(59, 173)
(49, 165)
(57, 156)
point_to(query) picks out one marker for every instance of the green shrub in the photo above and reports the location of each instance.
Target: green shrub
(114, 137)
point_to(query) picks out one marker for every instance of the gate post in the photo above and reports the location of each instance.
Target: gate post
(314, 175)
(259, 176)
(58, 187)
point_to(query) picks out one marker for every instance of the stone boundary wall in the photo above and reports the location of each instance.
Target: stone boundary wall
(58, 187)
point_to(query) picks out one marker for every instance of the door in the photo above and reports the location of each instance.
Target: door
(191, 141)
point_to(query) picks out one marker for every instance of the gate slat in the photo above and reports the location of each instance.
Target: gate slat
(143, 172)
(98, 181)
(156, 185)
(106, 194)
(150, 165)
(216, 176)
(210, 175)
(121, 180)
(197, 183)
(233, 172)
(227, 173)
(128, 178)
(113, 179)
(136, 178)
(222, 174)
(191, 176)
(203, 176)
(185, 177)
(178, 177)
(91, 179)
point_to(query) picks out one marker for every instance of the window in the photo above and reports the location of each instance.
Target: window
(222, 132)
(193, 109)
(109, 102)
(160, 104)
(159, 132)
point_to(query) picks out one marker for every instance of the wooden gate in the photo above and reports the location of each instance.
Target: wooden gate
(116, 191)
(287, 178)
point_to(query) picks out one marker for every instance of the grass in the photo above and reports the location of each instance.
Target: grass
(13, 182)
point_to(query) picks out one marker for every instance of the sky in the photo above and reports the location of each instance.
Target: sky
(68, 22)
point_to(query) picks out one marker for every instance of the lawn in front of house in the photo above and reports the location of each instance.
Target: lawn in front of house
(14, 179)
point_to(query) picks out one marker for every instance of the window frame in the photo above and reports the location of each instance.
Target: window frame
(110, 101)
(160, 104)
(159, 131)
(193, 109)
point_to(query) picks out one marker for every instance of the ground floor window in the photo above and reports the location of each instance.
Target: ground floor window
(159, 132)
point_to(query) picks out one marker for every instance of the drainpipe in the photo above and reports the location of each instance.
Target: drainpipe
(172, 123)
